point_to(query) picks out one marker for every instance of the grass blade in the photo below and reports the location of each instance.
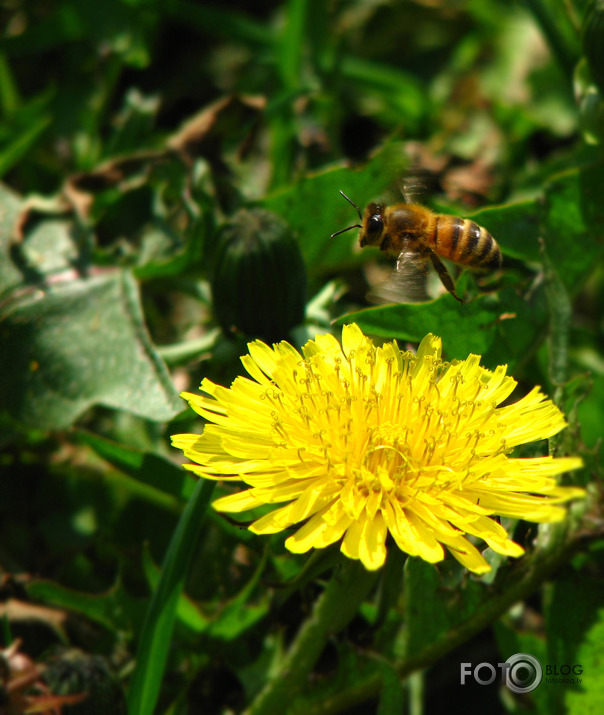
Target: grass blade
(157, 630)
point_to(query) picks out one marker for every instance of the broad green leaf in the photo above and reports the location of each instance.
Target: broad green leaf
(71, 338)
(79, 342)
(569, 217)
(442, 317)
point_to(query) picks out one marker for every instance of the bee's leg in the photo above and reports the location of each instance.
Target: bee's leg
(444, 276)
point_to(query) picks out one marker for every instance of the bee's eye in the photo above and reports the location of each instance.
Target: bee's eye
(375, 224)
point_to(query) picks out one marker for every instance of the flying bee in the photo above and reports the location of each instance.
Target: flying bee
(418, 238)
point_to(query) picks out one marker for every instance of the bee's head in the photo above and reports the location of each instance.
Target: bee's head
(373, 226)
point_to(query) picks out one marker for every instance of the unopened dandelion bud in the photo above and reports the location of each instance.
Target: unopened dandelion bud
(259, 279)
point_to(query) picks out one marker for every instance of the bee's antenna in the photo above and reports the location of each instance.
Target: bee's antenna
(350, 201)
(356, 225)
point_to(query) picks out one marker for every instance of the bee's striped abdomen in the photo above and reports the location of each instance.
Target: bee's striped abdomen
(465, 242)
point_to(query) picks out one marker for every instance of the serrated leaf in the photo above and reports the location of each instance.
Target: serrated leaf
(111, 609)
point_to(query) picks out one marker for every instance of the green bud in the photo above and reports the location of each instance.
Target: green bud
(259, 279)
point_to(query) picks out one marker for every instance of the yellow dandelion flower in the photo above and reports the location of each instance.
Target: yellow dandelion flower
(359, 441)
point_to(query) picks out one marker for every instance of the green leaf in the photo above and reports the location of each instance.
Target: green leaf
(186, 611)
(392, 700)
(9, 93)
(79, 342)
(441, 317)
(289, 56)
(569, 217)
(152, 653)
(111, 609)
(514, 226)
(575, 627)
(10, 208)
(573, 223)
(13, 151)
(492, 326)
(432, 609)
(314, 208)
(232, 620)
(591, 412)
(393, 86)
(425, 617)
(512, 640)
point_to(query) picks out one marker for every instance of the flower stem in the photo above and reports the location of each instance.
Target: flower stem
(521, 583)
(334, 609)
(560, 309)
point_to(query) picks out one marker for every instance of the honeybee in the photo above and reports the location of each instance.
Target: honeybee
(418, 237)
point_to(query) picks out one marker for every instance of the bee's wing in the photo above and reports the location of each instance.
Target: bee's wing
(417, 184)
(408, 282)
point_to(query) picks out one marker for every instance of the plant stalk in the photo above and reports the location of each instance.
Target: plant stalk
(334, 609)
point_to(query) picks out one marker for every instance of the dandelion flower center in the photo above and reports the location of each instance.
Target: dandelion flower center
(362, 441)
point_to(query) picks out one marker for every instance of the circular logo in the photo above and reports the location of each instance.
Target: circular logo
(523, 673)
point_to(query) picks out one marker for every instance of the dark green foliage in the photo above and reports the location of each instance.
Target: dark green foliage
(593, 41)
(171, 180)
